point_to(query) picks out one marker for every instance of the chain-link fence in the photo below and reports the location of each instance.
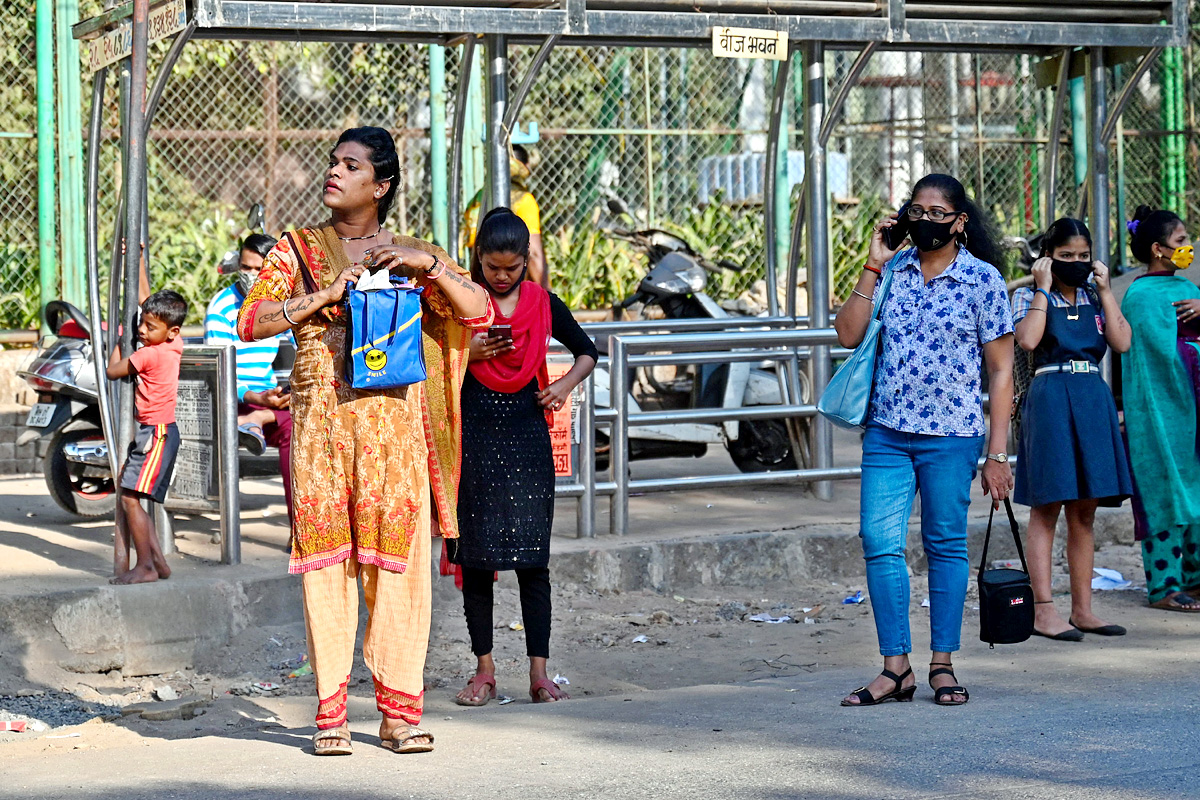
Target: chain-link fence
(677, 135)
(18, 173)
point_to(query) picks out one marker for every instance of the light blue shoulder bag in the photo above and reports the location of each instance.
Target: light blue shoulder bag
(847, 398)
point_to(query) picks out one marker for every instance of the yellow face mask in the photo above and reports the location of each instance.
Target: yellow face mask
(1183, 256)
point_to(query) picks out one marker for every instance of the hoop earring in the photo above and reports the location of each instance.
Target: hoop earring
(964, 236)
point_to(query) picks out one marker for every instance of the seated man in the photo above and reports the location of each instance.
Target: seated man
(263, 416)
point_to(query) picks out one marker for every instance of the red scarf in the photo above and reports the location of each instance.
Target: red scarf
(512, 371)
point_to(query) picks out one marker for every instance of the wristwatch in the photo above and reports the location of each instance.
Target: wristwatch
(1001, 458)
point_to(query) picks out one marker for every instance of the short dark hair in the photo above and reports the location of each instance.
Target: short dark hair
(1061, 231)
(168, 306)
(1151, 227)
(259, 243)
(521, 154)
(384, 160)
(978, 234)
(501, 231)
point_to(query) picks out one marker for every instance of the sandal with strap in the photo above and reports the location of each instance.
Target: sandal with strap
(551, 688)
(939, 695)
(401, 740)
(339, 734)
(483, 689)
(865, 698)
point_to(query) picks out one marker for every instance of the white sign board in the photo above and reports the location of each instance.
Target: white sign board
(749, 43)
(110, 47)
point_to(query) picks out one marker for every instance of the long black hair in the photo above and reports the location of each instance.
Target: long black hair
(1061, 231)
(979, 236)
(500, 231)
(384, 160)
(1150, 227)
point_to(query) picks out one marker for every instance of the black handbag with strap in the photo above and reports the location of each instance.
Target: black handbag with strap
(1005, 595)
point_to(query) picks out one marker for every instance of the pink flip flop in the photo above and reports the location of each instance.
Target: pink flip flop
(552, 688)
(481, 686)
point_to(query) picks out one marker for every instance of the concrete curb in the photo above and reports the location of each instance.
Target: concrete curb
(143, 630)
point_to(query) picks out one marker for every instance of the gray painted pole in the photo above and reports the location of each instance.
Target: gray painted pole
(817, 249)
(1098, 185)
(618, 450)
(498, 176)
(585, 510)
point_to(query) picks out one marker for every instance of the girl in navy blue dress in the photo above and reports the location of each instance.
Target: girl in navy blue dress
(1070, 453)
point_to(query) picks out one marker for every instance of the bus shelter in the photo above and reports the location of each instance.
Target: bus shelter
(1072, 40)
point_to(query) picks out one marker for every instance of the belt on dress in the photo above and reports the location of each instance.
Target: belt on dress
(1072, 367)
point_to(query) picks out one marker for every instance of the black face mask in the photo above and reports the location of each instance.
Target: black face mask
(1072, 273)
(928, 235)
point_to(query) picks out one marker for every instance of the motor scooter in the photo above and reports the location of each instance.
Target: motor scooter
(675, 285)
(67, 411)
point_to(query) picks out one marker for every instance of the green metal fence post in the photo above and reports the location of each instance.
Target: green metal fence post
(70, 155)
(437, 146)
(1079, 139)
(47, 234)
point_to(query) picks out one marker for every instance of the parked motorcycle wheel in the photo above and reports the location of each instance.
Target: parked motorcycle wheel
(762, 446)
(74, 491)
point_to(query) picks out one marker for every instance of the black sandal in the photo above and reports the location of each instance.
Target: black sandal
(865, 698)
(947, 691)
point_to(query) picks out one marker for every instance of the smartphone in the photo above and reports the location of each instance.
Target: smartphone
(894, 236)
(503, 331)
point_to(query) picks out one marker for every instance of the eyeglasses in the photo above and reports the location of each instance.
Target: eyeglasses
(934, 214)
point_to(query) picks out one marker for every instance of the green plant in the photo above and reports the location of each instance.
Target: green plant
(590, 269)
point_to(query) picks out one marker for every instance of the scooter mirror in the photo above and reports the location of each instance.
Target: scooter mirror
(617, 206)
(257, 218)
(230, 263)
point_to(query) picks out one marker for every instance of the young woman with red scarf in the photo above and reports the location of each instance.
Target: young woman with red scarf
(506, 498)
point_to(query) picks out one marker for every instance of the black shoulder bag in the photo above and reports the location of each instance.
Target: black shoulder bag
(1005, 595)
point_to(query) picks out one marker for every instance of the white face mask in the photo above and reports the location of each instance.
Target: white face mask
(246, 280)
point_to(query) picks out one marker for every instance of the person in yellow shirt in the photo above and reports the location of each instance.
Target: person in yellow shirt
(524, 206)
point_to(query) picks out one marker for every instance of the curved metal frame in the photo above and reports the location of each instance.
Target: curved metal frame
(518, 98)
(774, 132)
(465, 65)
(1055, 134)
(833, 116)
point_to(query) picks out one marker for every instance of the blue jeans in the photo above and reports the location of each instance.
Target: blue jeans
(895, 466)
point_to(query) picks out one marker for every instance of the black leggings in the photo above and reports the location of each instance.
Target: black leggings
(535, 609)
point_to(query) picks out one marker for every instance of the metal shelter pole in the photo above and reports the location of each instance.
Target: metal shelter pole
(499, 178)
(817, 250)
(518, 98)
(1098, 168)
(135, 195)
(585, 509)
(618, 459)
(456, 147)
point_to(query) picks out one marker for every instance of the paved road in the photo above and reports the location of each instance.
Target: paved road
(1106, 719)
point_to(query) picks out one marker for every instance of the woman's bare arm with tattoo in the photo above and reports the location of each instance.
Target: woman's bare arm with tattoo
(270, 319)
(468, 298)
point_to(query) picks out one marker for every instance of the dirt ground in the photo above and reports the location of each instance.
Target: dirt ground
(603, 643)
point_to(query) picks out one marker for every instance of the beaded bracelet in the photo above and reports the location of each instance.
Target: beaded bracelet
(438, 267)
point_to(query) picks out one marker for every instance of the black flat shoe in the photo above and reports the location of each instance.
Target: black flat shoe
(940, 695)
(865, 698)
(1103, 630)
(1073, 635)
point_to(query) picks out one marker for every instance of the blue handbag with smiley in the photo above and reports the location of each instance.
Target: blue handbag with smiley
(384, 348)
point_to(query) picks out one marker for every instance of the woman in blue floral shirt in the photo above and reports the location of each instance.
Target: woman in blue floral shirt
(947, 312)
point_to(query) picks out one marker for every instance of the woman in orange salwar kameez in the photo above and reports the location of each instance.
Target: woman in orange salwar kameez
(367, 465)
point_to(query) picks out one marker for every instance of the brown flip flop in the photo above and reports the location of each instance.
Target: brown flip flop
(401, 740)
(1175, 602)
(483, 687)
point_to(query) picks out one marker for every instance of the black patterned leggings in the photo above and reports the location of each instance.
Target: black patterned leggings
(535, 609)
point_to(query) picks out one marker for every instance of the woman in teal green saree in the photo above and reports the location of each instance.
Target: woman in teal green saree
(1161, 383)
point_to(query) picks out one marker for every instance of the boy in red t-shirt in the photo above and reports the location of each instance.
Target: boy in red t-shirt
(151, 458)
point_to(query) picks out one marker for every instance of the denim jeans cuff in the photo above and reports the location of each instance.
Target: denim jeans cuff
(934, 648)
(894, 651)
